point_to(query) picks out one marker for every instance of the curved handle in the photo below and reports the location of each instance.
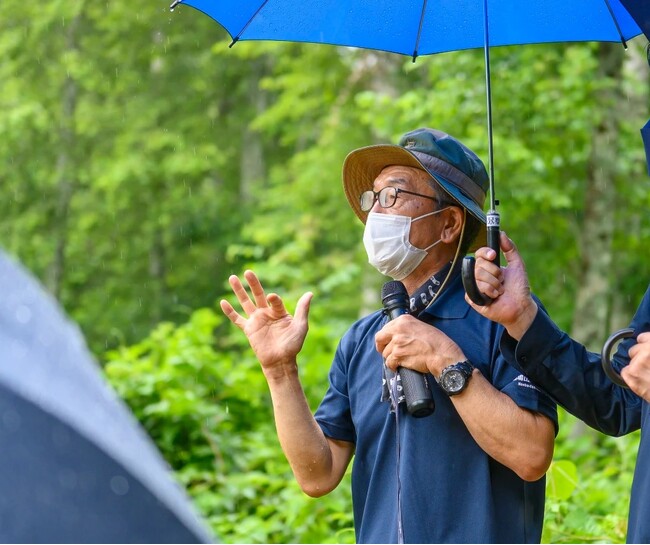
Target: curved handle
(467, 271)
(469, 283)
(605, 355)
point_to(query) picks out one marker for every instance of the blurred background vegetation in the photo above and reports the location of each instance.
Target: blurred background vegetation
(143, 162)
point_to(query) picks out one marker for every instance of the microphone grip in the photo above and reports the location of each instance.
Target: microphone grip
(415, 386)
(419, 401)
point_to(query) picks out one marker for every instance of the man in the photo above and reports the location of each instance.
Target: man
(572, 375)
(472, 471)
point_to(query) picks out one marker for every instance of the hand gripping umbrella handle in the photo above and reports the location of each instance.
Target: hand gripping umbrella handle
(605, 357)
(467, 272)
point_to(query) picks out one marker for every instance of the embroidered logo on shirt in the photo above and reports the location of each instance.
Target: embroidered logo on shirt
(524, 382)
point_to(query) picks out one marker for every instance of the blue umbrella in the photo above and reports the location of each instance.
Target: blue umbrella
(422, 27)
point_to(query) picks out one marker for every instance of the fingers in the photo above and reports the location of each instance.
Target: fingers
(247, 305)
(242, 295)
(392, 362)
(231, 313)
(506, 242)
(489, 277)
(485, 253)
(641, 349)
(643, 338)
(509, 249)
(385, 335)
(260, 301)
(302, 309)
(256, 288)
(275, 302)
(637, 373)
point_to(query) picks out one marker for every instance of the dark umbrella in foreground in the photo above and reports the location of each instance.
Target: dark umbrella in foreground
(75, 467)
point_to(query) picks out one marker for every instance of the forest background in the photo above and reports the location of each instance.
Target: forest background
(143, 162)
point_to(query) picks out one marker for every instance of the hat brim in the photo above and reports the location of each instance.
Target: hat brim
(362, 166)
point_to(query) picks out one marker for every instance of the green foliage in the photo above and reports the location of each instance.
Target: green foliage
(562, 479)
(588, 486)
(201, 396)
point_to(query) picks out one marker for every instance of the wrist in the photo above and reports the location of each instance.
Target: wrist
(518, 327)
(281, 371)
(437, 365)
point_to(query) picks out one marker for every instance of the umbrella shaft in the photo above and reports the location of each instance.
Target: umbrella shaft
(488, 93)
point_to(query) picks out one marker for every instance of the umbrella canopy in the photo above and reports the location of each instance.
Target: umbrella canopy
(75, 467)
(417, 27)
(640, 12)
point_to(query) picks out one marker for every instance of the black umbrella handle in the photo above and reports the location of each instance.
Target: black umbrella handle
(467, 271)
(605, 355)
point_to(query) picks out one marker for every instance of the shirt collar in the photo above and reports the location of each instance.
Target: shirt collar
(450, 303)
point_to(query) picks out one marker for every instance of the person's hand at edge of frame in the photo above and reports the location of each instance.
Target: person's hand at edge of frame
(637, 374)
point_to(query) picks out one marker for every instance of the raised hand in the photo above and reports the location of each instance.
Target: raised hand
(275, 336)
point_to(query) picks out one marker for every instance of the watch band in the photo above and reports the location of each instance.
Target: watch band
(464, 366)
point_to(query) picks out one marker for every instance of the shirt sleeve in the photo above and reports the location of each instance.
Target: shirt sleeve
(333, 414)
(573, 376)
(517, 385)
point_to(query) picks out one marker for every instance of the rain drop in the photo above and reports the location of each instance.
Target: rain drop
(119, 485)
(23, 314)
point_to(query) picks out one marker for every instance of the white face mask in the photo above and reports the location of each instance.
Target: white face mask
(386, 238)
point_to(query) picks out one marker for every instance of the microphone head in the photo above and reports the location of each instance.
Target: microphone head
(395, 299)
(393, 289)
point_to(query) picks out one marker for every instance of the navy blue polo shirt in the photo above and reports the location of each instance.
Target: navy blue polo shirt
(575, 378)
(452, 491)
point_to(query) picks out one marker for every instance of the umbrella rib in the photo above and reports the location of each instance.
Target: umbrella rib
(417, 40)
(236, 38)
(618, 28)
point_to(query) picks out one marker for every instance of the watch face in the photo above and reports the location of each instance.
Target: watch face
(453, 381)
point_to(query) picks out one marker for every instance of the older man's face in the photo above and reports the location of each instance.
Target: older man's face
(425, 231)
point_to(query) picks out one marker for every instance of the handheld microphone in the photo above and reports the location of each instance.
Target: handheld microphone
(419, 401)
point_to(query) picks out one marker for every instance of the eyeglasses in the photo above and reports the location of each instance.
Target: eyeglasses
(386, 196)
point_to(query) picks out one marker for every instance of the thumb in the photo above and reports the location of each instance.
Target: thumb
(302, 309)
(509, 249)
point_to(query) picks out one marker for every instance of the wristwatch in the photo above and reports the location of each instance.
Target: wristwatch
(454, 378)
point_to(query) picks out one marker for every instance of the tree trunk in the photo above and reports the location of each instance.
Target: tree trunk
(590, 322)
(157, 269)
(159, 194)
(253, 165)
(65, 169)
